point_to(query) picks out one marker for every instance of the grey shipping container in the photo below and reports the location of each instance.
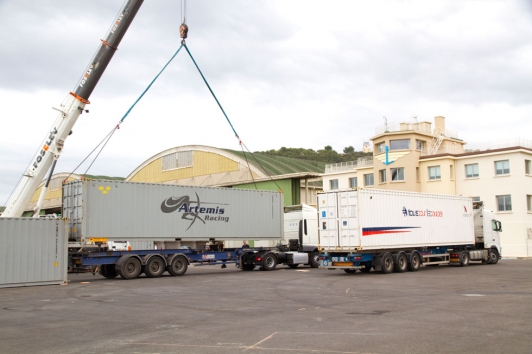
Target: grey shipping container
(32, 252)
(130, 211)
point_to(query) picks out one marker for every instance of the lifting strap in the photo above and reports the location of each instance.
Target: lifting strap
(183, 33)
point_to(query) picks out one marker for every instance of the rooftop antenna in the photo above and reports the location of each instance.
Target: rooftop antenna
(385, 124)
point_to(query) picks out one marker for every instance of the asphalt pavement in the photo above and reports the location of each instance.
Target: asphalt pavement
(445, 309)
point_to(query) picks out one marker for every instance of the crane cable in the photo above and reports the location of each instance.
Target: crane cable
(183, 30)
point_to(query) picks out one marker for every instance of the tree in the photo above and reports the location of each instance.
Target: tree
(349, 150)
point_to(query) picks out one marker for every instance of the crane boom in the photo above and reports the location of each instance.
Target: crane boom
(52, 145)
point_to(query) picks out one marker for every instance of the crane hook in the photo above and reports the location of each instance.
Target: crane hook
(183, 31)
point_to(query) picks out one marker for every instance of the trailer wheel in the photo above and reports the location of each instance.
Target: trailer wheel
(464, 259)
(130, 268)
(155, 267)
(177, 266)
(493, 256)
(400, 263)
(293, 266)
(108, 271)
(314, 259)
(367, 267)
(415, 262)
(350, 271)
(387, 263)
(269, 262)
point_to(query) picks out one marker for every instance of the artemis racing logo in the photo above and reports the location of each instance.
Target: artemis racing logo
(193, 210)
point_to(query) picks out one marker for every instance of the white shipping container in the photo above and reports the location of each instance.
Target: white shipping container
(129, 211)
(370, 219)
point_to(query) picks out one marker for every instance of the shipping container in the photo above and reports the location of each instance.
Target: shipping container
(118, 210)
(369, 219)
(33, 251)
(365, 229)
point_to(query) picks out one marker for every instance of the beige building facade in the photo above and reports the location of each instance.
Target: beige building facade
(420, 157)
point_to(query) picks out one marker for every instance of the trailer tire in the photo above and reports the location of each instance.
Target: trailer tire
(269, 262)
(293, 266)
(367, 267)
(415, 262)
(314, 259)
(177, 266)
(387, 263)
(155, 267)
(130, 268)
(493, 255)
(350, 271)
(108, 271)
(464, 259)
(400, 263)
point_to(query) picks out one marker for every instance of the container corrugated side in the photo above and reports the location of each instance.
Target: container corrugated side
(141, 211)
(370, 219)
(32, 252)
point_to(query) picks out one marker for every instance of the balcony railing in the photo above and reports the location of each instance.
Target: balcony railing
(485, 146)
(413, 126)
(349, 165)
(498, 144)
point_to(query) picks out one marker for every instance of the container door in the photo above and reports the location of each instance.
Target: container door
(348, 223)
(327, 206)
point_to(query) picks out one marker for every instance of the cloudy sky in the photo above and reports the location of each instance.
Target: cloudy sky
(292, 73)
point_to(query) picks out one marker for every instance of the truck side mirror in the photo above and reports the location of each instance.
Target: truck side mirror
(496, 225)
(305, 227)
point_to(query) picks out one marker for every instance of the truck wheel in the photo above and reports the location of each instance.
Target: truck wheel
(178, 266)
(293, 266)
(464, 259)
(415, 262)
(314, 259)
(108, 271)
(387, 263)
(130, 268)
(155, 267)
(350, 271)
(367, 267)
(493, 256)
(400, 263)
(269, 262)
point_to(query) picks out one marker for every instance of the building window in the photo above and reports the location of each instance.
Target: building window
(420, 145)
(475, 199)
(380, 148)
(368, 179)
(353, 182)
(504, 202)
(502, 167)
(180, 159)
(403, 144)
(382, 176)
(398, 174)
(471, 170)
(333, 183)
(528, 168)
(434, 172)
(529, 202)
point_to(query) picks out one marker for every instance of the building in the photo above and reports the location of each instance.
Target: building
(199, 165)
(415, 156)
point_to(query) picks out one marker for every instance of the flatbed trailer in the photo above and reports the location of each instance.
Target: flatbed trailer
(153, 263)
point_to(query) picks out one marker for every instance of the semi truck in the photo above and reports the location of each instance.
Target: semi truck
(103, 211)
(394, 231)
